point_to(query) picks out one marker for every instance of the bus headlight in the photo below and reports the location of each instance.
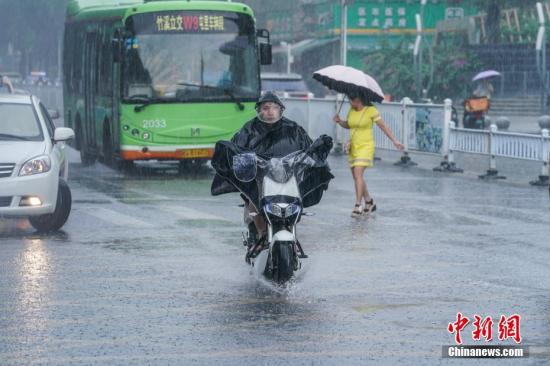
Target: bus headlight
(38, 165)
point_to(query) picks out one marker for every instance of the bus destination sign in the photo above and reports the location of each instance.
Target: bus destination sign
(188, 23)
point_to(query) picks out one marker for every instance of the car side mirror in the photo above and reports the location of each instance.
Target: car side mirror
(54, 113)
(265, 47)
(63, 134)
(265, 54)
(117, 46)
(117, 50)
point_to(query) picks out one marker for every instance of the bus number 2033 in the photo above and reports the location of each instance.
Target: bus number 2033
(154, 123)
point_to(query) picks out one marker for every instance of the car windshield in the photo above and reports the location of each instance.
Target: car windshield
(19, 122)
(190, 56)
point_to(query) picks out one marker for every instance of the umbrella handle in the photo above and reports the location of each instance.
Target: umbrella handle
(341, 104)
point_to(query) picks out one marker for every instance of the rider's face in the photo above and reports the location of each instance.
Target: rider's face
(270, 112)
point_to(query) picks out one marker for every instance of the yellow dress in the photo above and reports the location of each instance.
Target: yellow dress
(361, 124)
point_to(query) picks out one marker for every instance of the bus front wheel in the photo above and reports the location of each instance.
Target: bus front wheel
(108, 158)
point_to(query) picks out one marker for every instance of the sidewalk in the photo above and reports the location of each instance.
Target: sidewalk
(516, 171)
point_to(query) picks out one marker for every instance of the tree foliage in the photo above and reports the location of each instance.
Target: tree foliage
(392, 66)
(493, 9)
(33, 28)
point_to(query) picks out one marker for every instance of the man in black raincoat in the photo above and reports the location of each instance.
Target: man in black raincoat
(270, 134)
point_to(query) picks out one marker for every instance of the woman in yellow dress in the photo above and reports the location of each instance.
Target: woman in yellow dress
(360, 121)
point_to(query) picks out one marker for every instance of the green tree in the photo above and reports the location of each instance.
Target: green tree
(493, 9)
(34, 29)
(453, 66)
(391, 66)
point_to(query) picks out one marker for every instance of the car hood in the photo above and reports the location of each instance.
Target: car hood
(20, 151)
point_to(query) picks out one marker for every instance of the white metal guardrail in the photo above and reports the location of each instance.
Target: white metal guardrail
(426, 128)
(503, 144)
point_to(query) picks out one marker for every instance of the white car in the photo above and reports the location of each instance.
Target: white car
(33, 166)
(285, 85)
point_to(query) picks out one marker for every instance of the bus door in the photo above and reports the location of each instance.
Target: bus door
(90, 81)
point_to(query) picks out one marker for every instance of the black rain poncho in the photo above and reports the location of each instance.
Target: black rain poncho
(272, 140)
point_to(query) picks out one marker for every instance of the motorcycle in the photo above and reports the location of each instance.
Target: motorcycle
(475, 110)
(279, 189)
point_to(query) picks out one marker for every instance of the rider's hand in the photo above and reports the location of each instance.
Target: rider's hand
(327, 140)
(337, 119)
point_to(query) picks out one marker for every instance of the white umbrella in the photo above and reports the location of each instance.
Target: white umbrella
(348, 80)
(486, 74)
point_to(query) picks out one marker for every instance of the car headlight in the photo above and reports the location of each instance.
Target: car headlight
(40, 164)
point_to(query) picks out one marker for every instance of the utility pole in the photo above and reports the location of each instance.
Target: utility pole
(344, 32)
(418, 55)
(540, 49)
(289, 57)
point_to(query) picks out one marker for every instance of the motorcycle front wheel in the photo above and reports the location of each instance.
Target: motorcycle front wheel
(283, 262)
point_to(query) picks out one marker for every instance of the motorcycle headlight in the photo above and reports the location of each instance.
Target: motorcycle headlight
(291, 209)
(38, 165)
(282, 210)
(274, 209)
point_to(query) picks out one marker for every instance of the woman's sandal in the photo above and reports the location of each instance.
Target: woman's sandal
(370, 206)
(356, 211)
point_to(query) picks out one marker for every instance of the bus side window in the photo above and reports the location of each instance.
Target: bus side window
(106, 63)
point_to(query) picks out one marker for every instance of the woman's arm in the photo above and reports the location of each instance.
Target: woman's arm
(341, 122)
(380, 123)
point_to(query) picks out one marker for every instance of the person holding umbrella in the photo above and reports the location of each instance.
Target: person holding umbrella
(361, 90)
(484, 86)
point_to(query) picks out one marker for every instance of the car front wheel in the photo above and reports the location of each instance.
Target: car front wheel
(55, 220)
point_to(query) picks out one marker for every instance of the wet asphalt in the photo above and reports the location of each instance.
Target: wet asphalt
(149, 270)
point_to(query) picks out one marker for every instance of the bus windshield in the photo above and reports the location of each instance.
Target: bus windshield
(190, 56)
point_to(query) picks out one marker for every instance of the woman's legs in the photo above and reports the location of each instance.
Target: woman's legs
(360, 185)
(366, 195)
(369, 205)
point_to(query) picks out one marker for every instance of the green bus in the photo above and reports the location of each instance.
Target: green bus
(163, 80)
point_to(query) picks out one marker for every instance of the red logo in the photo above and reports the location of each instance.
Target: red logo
(457, 326)
(509, 328)
(483, 328)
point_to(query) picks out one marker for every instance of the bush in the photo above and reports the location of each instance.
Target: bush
(392, 67)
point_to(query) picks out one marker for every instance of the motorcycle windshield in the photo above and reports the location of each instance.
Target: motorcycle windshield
(283, 176)
(308, 169)
(292, 165)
